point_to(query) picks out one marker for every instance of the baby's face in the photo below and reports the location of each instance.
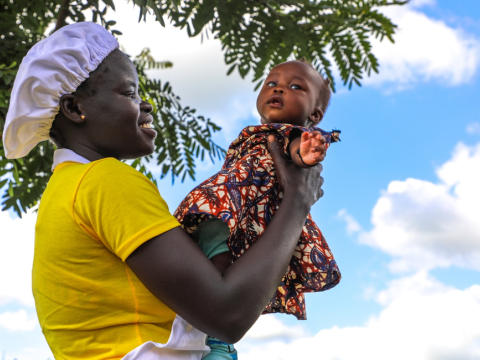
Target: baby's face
(289, 94)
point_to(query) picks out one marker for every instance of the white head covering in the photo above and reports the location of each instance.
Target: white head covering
(52, 68)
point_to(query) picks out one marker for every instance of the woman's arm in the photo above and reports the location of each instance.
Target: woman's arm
(225, 306)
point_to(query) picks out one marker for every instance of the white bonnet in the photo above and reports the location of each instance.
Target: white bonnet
(52, 68)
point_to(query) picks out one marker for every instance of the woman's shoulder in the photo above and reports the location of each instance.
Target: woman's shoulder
(111, 167)
(110, 170)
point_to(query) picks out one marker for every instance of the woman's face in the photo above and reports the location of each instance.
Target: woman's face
(117, 122)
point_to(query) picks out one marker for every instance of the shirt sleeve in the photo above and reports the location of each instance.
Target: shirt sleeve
(212, 236)
(120, 207)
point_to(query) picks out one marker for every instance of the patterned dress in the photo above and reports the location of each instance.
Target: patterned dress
(245, 195)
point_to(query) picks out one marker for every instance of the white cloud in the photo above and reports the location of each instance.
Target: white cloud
(17, 321)
(16, 257)
(29, 353)
(418, 284)
(425, 225)
(425, 49)
(473, 128)
(420, 3)
(352, 224)
(422, 320)
(269, 327)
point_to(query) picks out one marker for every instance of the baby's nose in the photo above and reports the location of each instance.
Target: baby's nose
(278, 90)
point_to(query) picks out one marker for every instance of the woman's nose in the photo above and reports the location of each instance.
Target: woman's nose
(146, 106)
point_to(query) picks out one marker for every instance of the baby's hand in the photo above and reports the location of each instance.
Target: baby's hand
(313, 147)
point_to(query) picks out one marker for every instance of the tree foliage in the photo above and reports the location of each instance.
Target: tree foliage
(255, 35)
(182, 136)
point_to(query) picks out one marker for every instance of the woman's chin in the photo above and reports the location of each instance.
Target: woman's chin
(138, 152)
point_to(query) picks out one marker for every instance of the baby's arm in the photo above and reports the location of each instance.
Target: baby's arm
(308, 149)
(212, 235)
(222, 261)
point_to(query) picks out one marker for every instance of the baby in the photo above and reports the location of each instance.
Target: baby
(229, 211)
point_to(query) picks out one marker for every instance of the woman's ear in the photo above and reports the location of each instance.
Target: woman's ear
(316, 116)
(69, 108)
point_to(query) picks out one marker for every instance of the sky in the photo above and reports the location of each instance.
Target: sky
(401, 210)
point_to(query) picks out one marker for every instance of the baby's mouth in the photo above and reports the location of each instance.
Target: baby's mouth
(275, 101)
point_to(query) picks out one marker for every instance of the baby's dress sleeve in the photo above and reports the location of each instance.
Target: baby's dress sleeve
(120, 207)
(245, 195)
(212, 236)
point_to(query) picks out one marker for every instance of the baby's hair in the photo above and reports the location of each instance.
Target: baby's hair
(325, 92)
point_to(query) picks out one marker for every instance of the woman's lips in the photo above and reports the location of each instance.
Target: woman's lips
(148, 128)
(146, 125)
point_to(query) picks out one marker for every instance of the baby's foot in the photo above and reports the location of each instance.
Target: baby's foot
(313, 147)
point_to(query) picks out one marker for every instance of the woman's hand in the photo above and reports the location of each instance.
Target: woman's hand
(294, 180)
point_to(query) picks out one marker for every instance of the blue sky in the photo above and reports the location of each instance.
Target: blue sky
(401, 207)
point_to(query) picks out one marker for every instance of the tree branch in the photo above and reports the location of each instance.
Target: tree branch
(62, 15)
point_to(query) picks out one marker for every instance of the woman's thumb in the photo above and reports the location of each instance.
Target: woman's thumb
(277, 153)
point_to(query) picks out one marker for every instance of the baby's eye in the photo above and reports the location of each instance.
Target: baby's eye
(271, 83)
(296, 87)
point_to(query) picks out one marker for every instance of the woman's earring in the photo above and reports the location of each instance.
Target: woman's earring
(82, 117)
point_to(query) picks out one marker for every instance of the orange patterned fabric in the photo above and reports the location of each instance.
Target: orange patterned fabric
(245, 195)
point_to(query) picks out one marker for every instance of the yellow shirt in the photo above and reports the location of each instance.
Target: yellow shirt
(89, 303)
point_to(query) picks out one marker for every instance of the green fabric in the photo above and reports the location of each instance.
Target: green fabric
(220, 350)
(212, 235)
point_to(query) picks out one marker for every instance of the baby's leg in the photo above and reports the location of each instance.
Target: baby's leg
(212, 235)
(220, 350)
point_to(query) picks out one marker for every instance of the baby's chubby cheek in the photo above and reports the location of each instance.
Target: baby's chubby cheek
(263, 119)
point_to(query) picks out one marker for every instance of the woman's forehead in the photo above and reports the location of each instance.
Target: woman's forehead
(116, 68)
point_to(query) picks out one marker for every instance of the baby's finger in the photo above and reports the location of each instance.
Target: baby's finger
(305, 136)
(318, 135)
(321, 156)
(321, 138)
(319, 148)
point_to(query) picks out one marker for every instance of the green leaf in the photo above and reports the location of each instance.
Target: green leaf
(110, 3)
(231, 69)
(15, 173)
(254, 37)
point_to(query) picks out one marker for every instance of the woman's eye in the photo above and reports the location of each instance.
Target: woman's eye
(271, 83)
(296, 87)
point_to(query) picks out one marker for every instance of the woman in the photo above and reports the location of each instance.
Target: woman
(114, 275)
